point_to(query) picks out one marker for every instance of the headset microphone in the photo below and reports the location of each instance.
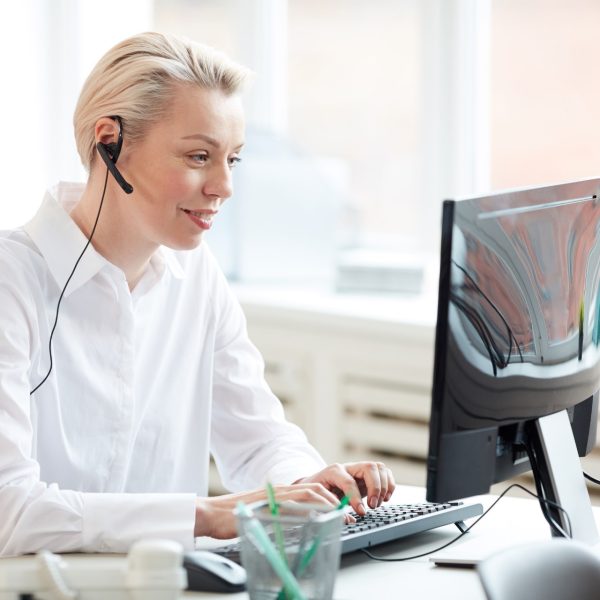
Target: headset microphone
(110, 154)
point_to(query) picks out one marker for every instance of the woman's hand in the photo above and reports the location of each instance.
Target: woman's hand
(357, 480)
(215, 517)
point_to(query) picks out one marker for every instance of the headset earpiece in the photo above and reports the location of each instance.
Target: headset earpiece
(113, 150)
(110, 153)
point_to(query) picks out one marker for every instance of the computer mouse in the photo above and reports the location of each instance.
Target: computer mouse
(210, 572)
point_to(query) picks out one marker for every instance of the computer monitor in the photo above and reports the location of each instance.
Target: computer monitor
(517, 357)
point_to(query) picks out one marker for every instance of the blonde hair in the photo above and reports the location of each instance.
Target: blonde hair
(137, 79)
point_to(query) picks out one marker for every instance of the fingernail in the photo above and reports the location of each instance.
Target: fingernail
(361, 509)
(373, 502)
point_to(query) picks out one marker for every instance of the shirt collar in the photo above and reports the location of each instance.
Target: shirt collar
(165, 257)
(60, 241)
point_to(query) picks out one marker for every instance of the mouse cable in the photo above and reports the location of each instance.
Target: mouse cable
(89, 241)
(514, 485)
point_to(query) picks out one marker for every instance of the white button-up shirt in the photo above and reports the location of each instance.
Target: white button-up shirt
(115, 445)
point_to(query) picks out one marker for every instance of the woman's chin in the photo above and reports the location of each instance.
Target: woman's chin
(189, 243)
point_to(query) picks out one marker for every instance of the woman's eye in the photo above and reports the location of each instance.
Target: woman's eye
(233, 161)
(198, 158)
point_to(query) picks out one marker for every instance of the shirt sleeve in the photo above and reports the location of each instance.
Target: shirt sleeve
(251, 440)
(37, 515)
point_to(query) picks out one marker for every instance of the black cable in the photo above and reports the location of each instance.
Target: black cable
(511, 335)
(518, 485)
(508, 329)
(89, 241)
(590, 478)
(502, 361)
(484, 332)
(473, 318)
(545, 502)
(476, 321)
(542, 493)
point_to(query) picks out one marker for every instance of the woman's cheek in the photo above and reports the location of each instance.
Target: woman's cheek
(180, 185)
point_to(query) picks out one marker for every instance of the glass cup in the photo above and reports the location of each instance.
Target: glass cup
(305, 537)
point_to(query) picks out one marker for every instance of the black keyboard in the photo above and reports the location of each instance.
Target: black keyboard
(389, 522)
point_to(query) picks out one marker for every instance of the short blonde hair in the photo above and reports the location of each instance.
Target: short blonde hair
(137, 78)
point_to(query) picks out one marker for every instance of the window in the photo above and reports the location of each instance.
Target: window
(47, 50)
(347, 85)
(363, 116)
(545, 94)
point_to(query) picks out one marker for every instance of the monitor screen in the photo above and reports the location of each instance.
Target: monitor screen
(518, 332)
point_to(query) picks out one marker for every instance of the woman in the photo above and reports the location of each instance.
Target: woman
(105, 437)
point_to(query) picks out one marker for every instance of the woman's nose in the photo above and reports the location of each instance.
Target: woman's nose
(220, 183)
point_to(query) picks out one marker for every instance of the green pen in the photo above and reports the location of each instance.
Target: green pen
(308, 556)
(313, 548)
(343, 502)
(260, 538)
(274, 508)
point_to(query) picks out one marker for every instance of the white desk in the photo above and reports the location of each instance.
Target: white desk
(511, 521)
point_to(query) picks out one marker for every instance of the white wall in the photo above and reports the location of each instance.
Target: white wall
(47, 48)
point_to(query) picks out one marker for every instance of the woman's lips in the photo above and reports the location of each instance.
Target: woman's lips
(201, 218)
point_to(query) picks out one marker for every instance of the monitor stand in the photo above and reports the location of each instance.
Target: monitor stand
(558, 470)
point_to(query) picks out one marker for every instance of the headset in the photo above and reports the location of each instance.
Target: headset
(110, 154)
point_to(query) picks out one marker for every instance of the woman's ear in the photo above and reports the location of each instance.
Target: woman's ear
(107, 130)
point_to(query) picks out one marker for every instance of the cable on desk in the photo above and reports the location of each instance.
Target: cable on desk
(510, 487)
(590, 478)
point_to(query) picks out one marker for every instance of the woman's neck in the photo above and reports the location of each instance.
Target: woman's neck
(115, 236)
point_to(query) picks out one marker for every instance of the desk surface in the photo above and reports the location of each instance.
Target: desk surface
(511, 521)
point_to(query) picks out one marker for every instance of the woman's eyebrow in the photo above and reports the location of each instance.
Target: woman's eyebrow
(208, 140)
(202, 136)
